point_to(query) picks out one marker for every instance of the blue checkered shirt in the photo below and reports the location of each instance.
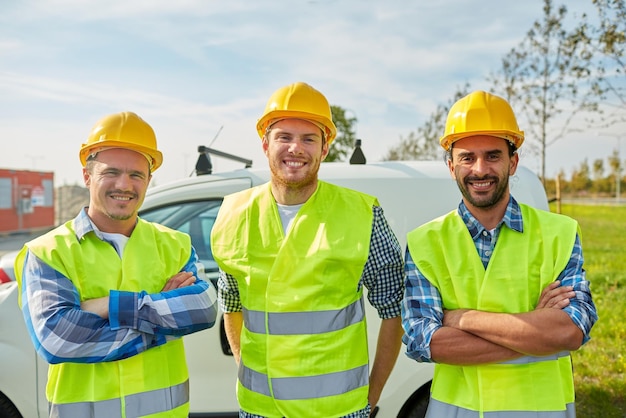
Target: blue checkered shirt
(62, 332)
(422, 307)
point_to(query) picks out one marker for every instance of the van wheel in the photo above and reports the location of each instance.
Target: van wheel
(7, 409)
(417, 405)
(418, 408)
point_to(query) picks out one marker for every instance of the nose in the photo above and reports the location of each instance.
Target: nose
(295, 146)
(480, 165)
(123, 182)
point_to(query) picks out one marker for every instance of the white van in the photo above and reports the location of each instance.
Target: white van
(410, 193)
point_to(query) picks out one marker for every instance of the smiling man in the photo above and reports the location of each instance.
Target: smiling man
(496, 293)
(294, 256)
(107, 296)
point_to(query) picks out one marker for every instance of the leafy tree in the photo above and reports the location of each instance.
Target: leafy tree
(343, 144)
(423, 144)
(598, 169)
(604, 41)
(544, 78)
(616, 169)
(581, 179)
(598, 175)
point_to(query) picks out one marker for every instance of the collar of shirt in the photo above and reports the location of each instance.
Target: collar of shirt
(512, 218)
(83, 225)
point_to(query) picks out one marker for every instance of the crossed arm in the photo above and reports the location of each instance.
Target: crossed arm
(561, 321)
(477, 337)
(64, 329)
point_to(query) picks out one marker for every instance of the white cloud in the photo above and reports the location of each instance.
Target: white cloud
(190, 67)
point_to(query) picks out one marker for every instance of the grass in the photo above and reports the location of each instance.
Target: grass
(600, 365)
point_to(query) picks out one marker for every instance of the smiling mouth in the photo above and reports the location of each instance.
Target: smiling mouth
(294, 164)
(480, 184)
(120, 198)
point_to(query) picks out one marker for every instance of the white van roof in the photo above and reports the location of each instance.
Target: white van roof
(410, 192)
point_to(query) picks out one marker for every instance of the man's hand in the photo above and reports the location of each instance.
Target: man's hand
(99, 306)
(452, 318)
(182, 279)
(555, 296)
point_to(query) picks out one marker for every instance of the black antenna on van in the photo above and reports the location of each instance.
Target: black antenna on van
(204, 165)
(357, 155)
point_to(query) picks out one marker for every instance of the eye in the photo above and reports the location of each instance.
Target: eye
(109, 173)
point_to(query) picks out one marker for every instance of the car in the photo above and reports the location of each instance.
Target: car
(6, 267)
(410, 192)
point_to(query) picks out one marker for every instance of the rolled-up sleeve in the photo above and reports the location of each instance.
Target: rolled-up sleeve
(422, 312)
(581, 308)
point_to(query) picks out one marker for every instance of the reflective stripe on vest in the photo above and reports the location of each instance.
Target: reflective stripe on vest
(137, 405)
(438, 409)
(304, 387)
(535, 359)
(295, 323)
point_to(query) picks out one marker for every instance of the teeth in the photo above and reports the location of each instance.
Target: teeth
(121, 198)
(294, 163)
(484, 184)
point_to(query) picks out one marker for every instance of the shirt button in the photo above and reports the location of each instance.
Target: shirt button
(487, 253)
(485, 233)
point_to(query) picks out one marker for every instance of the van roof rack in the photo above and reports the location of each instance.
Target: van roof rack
(204, 165)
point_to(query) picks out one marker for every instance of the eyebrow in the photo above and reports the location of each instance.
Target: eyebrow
(491, 152)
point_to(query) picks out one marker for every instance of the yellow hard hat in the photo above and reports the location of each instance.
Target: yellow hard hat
(300, 101)
(481, 113)
(123, 130)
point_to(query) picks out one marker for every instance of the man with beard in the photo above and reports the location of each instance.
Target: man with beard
(496, 294)
(107, 296)
(294, 255)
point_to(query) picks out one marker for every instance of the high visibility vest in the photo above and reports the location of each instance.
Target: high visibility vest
(153, 383)
(304, 340)
(521, 266)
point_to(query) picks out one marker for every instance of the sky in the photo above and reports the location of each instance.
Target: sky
(201, 71)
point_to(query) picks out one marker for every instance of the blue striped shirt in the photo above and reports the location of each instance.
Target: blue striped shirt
(382, 275)
(62, 332)
(422, 307)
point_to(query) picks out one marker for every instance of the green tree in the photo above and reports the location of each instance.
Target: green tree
(616, 170)
(544, 80)
(423, 144)
(581, 179)
(343, 144)
(597, 174)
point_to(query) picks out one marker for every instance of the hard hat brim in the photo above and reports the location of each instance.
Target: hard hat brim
(331, 129)
(157, 156)
(516, 138)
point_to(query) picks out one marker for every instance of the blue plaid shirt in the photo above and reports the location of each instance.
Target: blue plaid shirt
(422, 308)
(62, 332)
(382, 275)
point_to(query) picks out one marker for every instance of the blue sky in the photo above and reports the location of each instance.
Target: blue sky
(196, 68)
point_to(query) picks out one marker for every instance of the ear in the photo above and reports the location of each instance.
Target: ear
(86, 177)
(513, 164)
(450, 166)
(325, 150)
(266, 145)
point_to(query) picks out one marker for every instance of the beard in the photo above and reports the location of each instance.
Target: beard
(484, 200)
